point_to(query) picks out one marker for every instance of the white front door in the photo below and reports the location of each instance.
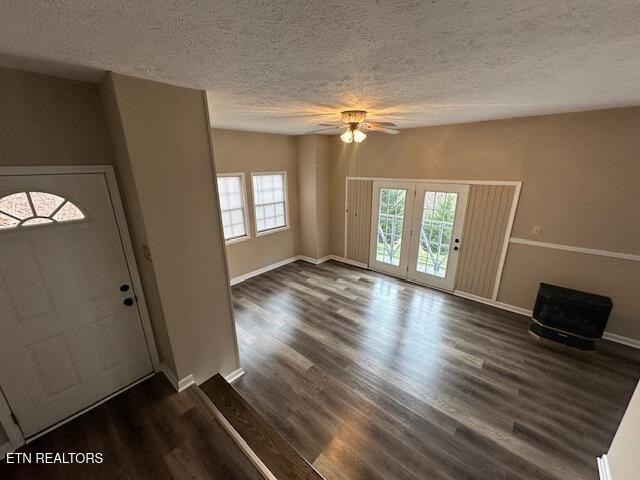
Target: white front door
(70, 329)
(437, 233)
(390, 226)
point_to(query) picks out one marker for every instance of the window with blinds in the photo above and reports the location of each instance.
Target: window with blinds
(270, 201)
(233, 203)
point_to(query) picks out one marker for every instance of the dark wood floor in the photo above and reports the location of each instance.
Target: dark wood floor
(148, 432)
(275, 452)
(371, 377)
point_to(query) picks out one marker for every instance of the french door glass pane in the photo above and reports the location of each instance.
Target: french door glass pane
(438, 214)
(390, 224)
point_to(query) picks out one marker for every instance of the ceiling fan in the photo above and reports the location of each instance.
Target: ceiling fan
(356, 127)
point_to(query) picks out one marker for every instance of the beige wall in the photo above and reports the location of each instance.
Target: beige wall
(306, 158)
(237, 152)
(165, 130)
(581, 184)
(623, 457)
(46, 120)
(313, 157)
(323, 191)
(135, 221)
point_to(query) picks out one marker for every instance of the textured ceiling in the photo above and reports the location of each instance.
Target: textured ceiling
(268, 65)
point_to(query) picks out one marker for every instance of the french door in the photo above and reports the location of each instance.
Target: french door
(417, 230)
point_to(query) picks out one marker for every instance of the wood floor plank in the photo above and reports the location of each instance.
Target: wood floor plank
(373, 377)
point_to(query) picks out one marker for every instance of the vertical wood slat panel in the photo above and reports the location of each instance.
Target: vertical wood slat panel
(483, 238)
(359, 220)
(470, 231)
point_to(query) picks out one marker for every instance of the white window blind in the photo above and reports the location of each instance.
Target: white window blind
(232, 206)
(270, 201)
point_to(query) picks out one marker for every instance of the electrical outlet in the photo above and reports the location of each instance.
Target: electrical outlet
(536, 230)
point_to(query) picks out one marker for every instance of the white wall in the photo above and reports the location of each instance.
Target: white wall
(624, 454)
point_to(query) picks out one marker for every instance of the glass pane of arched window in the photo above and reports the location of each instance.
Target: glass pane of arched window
(8, 222)
(16, 205)
(45, 203)
(67, 213)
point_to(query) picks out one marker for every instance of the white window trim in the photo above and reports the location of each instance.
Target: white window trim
(287, 225)
(245, 207)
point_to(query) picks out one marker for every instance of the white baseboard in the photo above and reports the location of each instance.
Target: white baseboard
(348, 261)
(333, 257)
(178, 385)
(234, 376)
(282, 263)
(630, 342)
(313, 260)
(185, 383)
(494, 303)
(603, 468)
(268, 268)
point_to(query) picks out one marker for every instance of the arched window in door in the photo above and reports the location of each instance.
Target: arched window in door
(24, 209)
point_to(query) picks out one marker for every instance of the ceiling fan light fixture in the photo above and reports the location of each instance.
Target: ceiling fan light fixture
(353, 116)
(347, 137)
(359, 136)
(355, 126)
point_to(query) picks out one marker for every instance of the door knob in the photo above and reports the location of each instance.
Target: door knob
(124, 287)
(128, 302)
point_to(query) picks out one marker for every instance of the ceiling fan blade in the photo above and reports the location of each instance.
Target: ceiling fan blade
(375, 128)
(323, 130)
(381, 124)
(331, 124)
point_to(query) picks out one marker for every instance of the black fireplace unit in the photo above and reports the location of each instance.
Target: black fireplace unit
(569, 316)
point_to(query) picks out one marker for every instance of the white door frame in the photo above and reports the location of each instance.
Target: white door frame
(13, 431)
